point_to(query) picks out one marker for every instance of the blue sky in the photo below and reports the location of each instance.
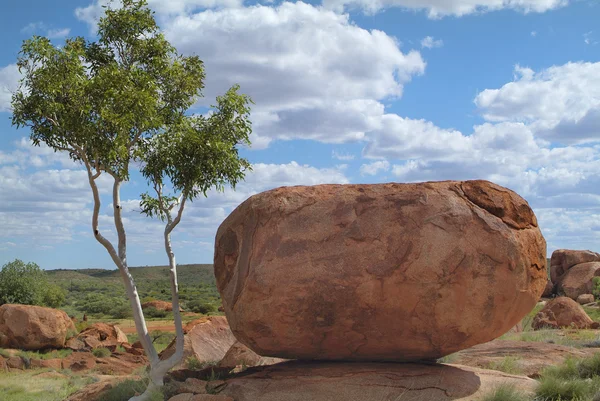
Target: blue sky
(346, 91)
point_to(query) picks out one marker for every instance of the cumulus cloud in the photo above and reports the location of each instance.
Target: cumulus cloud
(561, 103)
(42, 28)
(441, 8)
(9, 81)
(375, 167)
(429, 42)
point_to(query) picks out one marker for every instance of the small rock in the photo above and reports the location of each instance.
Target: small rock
(239, 354)
(563, 312)
(584, 299)
(15, 362)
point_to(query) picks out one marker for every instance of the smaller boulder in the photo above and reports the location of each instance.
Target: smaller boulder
(564, 259)
(578, 279)
(584, 299)
(31, 327)
(563, 312)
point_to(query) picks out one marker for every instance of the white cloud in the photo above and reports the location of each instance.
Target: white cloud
(342, 156)
(429, 42)
(58, 33)
(52, 33)
(561, 103)
(9, 81)
(440, 8)
(534, 33)
(588, 40)
(375, 167)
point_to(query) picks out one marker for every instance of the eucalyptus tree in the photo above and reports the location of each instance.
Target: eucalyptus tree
(121, 101)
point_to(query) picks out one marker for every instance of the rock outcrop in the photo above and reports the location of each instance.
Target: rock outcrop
(158, 305)
(549, 290)
(98, 335)
(297, 381)
(30, 327)
(378, 272)
(207, 339)
(563, 312)
(239, 354)
(578, 279)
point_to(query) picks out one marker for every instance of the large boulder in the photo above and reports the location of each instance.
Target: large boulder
(564, 259)
(99, 335)
(328, 381)
(207, 340)
(578, 279)
(30, 327)
(158, 305)
(378, 272)
(563, 312)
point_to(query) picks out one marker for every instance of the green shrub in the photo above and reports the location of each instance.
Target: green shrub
(127, 389)
(194, 364)
(101, 352)
(506, 392)
(199, 306)
(54, 296)
(596, 287)
(22, 283)
(155, 313)
(556, 389)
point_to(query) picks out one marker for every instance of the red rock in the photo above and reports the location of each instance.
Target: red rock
(239, 354)
(79, 361)
(120, 364)
(207, 340)
(15, 362)
(94, 391)
(578, 279)
(33, 327)
(323, 381)
(564, 259)
(132, 350)
(159, 305)
(584, 299)
(563, 312)
(102, 335)
(378, 272)
(54, 363)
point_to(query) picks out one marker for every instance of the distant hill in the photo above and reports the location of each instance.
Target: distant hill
(102, 293)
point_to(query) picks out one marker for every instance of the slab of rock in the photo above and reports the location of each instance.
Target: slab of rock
(239, 354)
(585, 299)
(207, 339)
(531, 357)
(330, 381)
(563, 312)
(95, 390)
(98, 335)
(79, 361)
(564, 259)
(578, 280)
(30, 327)
(378, 272)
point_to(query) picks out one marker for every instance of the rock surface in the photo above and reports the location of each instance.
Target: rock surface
(549, 290)
(159, 305)
(99, 335)
(563, 259)
(239, 354)
(563, 312)
(33, 327)
(584, 299)
(531, 357)
(578, 279)
(296, 381)
(378, 272)
(207, 339)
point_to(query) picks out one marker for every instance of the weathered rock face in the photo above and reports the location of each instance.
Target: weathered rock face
(98, 335)
(563, 312)
(578, 279)
(564, 259)
(239, 354)
(378, 272)
(295, 381)
(207, 340)
(33, 327)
